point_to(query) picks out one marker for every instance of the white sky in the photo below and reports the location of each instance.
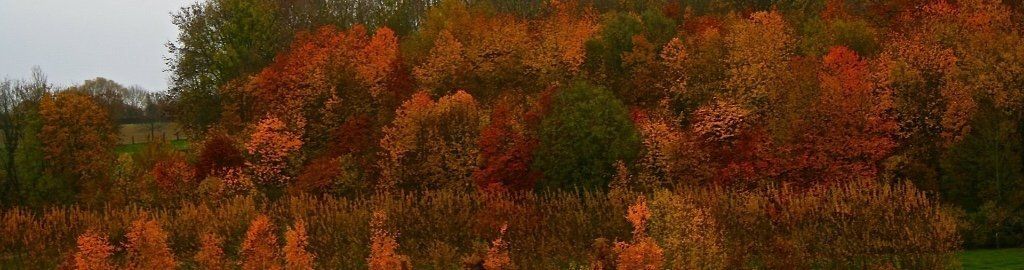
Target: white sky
(76, 40)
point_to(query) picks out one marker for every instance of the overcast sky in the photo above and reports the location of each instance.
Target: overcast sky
(75, 40)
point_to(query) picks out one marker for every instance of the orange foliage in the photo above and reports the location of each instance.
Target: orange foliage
(377, 60)
(211, 255)
(643, 253)
(77, 139)
(94, 252)
(497, 255)
(173, 175)
(272, 148)
(296, 257)
(856, 131)
(383, 254)
(260, 248)
(147, 246)
(432, 142)
(218, 153)
(559, 40)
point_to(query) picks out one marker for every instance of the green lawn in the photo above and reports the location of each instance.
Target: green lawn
(1011, 258)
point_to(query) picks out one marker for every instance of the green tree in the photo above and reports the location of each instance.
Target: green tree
(219, 41)
(984, 174)
(586, 132)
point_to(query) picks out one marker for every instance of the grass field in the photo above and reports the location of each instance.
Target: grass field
(1011, 258)
(132, 148)
(133, 137)
(141, 133)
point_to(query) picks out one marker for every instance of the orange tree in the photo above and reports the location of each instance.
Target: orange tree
(78, 142)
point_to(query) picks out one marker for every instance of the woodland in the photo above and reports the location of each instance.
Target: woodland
(534, 134)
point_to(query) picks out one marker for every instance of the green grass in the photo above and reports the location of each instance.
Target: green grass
(132, 148)
(1011, 258)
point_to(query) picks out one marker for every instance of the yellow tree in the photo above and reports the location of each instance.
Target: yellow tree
(759, 48)
(432, 144)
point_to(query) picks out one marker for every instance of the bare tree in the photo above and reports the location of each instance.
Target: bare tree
(17, 98)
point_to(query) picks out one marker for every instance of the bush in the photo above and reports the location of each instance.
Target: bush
(586, 132)
(854, 225)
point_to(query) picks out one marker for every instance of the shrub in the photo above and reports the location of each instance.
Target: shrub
(383, 254)
(260, 249)
(643, 253)
(586, 132)
(147, 246)
(296, 256)
(94, 252)
(211, 255)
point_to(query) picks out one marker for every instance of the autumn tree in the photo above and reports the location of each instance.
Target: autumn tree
(273, 151)
(432, 144)
(147, 246)
(296, 255)
(94, 252)
(217, 153)
(383, 253)
(759, 48)
(506, 150)
(211, 253)
(643, 252)
(260, 248)
(559, 43)
(446, 63)
(174, 176)
(587, 130)
(78, 141)
(327, 78)
(856, 129)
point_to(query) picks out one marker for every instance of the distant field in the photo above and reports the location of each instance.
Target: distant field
(142, 133)
(1011, 258)
(132, 148)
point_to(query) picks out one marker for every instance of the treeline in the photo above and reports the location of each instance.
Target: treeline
(529, 95)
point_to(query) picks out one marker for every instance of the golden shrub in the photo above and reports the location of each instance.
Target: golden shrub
(147, 246)
(260, 248)
(211, 255)
(296, 256)
(94, 252)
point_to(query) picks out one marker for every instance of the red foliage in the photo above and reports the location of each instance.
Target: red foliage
(218, 153)
(507, 153)
(173, 175)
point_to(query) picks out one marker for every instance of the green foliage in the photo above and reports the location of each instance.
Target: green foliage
(819, 35)
(604, 53)
(586, 132)
(984, 174)
(219, 41)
